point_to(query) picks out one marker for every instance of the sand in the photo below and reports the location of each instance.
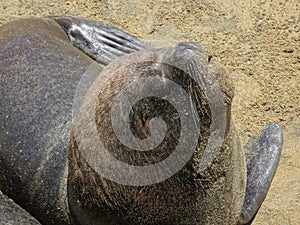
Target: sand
(257, 41)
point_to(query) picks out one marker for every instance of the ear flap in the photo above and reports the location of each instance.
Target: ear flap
(100, 41)
(262, 161)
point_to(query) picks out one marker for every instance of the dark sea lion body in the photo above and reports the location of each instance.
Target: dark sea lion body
(39, 72)
(35, 114)
(13, 214)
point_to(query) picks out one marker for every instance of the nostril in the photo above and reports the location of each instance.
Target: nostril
(186, 49)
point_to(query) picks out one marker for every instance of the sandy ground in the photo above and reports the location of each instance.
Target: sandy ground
(257, 41)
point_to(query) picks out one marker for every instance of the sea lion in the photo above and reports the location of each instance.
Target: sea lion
(41, 68)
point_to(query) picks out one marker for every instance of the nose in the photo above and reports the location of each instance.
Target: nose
(184, 46)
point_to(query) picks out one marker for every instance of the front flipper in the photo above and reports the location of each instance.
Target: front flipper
(262, 161)
(100, 41)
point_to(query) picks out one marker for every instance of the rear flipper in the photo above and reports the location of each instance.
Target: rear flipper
(100, 41)
(262, 161)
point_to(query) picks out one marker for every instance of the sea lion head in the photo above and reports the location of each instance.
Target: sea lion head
(152, 142)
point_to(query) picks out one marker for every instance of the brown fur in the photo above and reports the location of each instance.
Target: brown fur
(213, 196)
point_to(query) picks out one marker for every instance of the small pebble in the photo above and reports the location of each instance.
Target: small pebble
(288, 50)
(250, 73)
(296, 38)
